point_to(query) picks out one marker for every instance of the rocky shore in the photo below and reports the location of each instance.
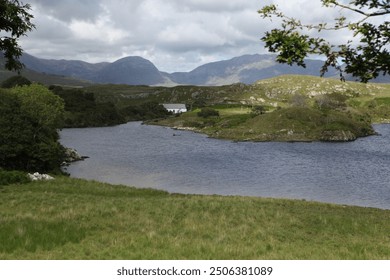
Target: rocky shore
(71, 155)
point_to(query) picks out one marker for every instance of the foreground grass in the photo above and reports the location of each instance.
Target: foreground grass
(77, 219)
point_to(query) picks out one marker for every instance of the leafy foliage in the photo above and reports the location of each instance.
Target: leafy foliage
(146, 111)
(15, 81)
(82, 110)
(366, 60)
(29, 119)
(15, 21)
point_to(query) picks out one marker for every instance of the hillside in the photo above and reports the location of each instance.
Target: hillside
(135, 70)
(245, 69)
(264, 92)
(128, 70)
(70, 68)
(291, 108)
(41, 77)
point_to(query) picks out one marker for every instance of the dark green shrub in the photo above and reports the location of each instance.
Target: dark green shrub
(15, 81)
(208, 112)
(259, 110)
(13, 177)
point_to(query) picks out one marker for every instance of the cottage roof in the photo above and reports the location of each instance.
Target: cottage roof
(175, 106)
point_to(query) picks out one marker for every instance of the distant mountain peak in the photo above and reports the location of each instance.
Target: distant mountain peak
(136, 70)
(131, 70)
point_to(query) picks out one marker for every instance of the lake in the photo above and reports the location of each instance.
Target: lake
(353, 173)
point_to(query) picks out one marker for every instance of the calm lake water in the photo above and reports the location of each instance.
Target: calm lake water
(354, 173)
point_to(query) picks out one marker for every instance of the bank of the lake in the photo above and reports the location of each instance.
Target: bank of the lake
(77, 219)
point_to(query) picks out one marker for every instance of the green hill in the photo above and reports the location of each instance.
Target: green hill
(298, 108)
(263, 92)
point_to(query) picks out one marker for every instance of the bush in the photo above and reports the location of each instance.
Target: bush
(259, 110)
(13, 177)
(299, 100)
(15, 81)
(208, 112)
(331, 101)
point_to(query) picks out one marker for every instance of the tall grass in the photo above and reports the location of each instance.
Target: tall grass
(77, 219)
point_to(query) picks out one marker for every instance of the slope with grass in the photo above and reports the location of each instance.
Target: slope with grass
(299, 108)
(76, 219)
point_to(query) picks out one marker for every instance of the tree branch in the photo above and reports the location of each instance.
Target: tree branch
(374, 14)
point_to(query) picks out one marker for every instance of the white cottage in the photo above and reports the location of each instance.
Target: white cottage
(175, 108)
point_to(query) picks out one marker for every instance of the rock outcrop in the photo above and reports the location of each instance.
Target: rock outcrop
(39, 177)
(71, 155)
(337, 136)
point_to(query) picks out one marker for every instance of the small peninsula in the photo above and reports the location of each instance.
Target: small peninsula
(291, 108)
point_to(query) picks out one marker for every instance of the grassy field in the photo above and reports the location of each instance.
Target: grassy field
(76, 219)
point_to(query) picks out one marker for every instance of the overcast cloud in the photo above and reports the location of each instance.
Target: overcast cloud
(176, 35)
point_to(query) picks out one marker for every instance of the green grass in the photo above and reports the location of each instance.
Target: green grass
(286, 124)
(13, 177)
(298, 108)
(77, 219)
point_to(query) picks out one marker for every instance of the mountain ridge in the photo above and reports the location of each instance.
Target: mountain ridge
(136, 70)
(245, 69)
(126, 70)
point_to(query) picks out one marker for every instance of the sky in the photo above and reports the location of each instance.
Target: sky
(176, 35)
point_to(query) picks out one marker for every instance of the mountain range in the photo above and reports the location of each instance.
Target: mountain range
(135, 70)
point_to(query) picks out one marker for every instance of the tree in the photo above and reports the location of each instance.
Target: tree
(15, 21)
(83, 110)
(365, 59)
(29, 122)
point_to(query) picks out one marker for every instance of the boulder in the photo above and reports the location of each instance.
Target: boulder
(39, 177)
(71, 155)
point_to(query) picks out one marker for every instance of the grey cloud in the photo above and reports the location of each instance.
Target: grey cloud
(214, 6)
(173, 34)
(69, 9)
